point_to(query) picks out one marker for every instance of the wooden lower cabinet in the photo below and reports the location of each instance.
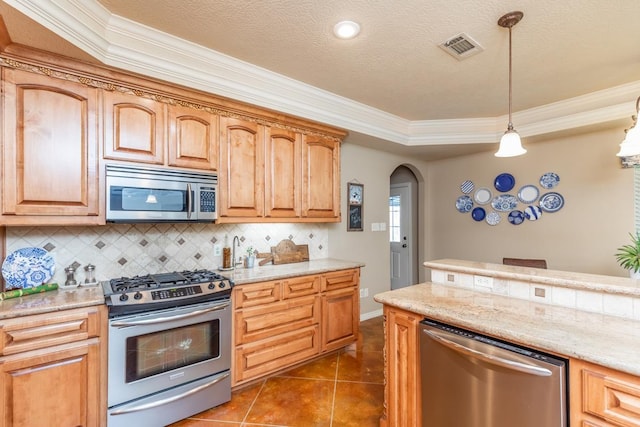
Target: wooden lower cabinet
(340, 309)
(280, 323)
(603, 397)
(52, 369)
(402, 394)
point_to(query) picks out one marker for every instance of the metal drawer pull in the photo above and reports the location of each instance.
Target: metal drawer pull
(170, 318)
(505, 363)
(161, 402)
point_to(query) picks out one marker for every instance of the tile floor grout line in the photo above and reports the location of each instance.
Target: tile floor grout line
(244, 420)
(335, 387)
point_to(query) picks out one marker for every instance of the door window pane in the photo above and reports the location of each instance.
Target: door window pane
(394, 218)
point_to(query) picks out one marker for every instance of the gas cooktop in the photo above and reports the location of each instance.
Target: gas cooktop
(158, 291)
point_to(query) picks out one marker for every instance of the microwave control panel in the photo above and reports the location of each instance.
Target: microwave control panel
(207, 199)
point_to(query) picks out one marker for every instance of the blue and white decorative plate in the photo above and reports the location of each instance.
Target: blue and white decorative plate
(504, 182)
(551, 202)
(516, 217)
(504, 203)
(549, 180)
(528, 193)
(467, 187)
(27, 268)
(464, 204)
(482, 196)
(532, 213)
(478, 214)
(493, 218)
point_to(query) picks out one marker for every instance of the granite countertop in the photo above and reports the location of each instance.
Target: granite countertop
(605, 340)
(267, 272)
(45, 302)
(64, 299)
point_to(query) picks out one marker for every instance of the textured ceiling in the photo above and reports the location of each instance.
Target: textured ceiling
(561, 49)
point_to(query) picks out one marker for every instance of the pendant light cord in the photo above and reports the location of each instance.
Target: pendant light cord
(510, 125)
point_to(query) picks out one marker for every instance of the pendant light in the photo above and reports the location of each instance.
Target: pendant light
(510, 144)
(631, 144)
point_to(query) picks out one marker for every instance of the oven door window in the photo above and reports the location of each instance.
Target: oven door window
(133, 199)
(163, 351)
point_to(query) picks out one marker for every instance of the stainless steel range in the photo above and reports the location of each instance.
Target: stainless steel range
(169, 346)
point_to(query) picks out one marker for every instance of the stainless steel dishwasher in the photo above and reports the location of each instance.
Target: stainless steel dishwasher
(471, 380)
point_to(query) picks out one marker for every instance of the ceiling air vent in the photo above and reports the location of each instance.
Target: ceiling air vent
(461, 46)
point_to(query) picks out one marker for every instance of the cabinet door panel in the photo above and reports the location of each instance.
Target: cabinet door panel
(341, 279)
(300, 286)
(268, 355)
(43, 330)
(54, 387)
(50, 146)
(256, 294)
(283, 173)
(340, 316)
(241, 177)
(256, 323)
(193, 141)
(134, 128)
(320, 178)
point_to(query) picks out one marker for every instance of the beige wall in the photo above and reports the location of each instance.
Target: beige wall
(582, 236)
(372, 168)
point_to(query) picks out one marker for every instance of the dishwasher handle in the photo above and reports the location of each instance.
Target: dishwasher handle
(495, 360)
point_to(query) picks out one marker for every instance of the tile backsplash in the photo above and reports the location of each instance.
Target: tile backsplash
(119, 250)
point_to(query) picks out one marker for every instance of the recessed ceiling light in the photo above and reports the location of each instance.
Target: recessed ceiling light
(346, 29)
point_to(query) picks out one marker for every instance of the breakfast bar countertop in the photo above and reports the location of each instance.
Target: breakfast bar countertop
(602, 339)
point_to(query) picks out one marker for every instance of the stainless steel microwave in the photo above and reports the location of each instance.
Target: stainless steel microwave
(139, 194)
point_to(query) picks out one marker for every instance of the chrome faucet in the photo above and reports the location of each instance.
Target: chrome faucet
(233, 251)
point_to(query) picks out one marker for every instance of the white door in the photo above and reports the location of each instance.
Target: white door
(400, 233)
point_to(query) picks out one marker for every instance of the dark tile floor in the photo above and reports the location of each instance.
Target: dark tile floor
(339, 390)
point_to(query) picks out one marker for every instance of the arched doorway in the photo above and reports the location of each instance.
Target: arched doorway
(403, 227)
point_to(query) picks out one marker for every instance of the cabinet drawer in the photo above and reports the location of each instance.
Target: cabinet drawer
(340, 279)
(614, 397)
(256, 323)
(266, 356)
(256, 293)
(45, 330)
(300, 286)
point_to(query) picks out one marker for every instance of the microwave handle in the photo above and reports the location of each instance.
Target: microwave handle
(189, 201)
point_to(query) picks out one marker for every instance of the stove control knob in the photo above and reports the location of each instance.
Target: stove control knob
(212, 285)
(137, 295)
(222, 284)
(124, 297)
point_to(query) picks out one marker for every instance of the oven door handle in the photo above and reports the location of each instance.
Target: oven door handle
(151, 405)
(170, 318)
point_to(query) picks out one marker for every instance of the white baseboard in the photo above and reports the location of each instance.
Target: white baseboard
(370, 315)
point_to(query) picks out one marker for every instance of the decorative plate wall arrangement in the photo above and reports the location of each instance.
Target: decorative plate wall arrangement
(526, 205)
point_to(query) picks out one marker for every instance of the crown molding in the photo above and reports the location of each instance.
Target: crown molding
(125, 44)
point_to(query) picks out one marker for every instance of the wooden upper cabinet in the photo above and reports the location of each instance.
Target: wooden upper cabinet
(320, 178)
(50, 150)
(282, 194)
(134, 128)
(241, 172)
(193, 138)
